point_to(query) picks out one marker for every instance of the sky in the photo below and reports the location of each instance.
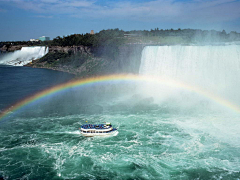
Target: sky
(30, 19)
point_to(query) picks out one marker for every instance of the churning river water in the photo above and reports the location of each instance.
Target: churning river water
(164, 133)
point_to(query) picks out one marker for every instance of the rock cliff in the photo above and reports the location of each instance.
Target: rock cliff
(73, 49)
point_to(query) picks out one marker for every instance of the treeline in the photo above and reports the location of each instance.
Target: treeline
(104, 37)
(115, 37)
(111, 36)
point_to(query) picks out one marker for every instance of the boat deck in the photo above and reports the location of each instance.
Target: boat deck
(90, 130)
(95, 126)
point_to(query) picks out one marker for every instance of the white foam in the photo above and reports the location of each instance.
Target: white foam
(24, 56)
(213, 68)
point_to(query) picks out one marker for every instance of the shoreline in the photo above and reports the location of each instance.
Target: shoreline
(51, 68)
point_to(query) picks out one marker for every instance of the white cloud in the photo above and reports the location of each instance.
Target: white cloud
(174, 11)
(167, 10)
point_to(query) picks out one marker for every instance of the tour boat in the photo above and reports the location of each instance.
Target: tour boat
(90, 130)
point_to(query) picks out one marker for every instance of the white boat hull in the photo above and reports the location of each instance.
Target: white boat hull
(113, 133)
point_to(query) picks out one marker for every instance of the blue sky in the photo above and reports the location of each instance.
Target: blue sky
(26, 19)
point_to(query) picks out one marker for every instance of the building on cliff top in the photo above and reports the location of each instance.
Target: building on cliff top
(44, 38)
(34, 40)
(92, 32)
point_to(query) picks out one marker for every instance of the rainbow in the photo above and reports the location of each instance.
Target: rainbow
(115, 78)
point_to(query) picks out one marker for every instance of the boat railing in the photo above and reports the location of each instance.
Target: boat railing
(99, 131)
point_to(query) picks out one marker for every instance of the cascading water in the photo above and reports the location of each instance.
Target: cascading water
(23, 56)
(215, 69)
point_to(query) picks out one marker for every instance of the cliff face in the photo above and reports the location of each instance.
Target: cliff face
(73, 49)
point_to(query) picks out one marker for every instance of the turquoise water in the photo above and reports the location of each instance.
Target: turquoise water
(155, 140)
(148, 146)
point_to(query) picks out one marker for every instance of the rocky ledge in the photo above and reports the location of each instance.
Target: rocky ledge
(10, 48)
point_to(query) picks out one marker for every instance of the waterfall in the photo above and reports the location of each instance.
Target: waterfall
(23, 56)
(212, 68)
